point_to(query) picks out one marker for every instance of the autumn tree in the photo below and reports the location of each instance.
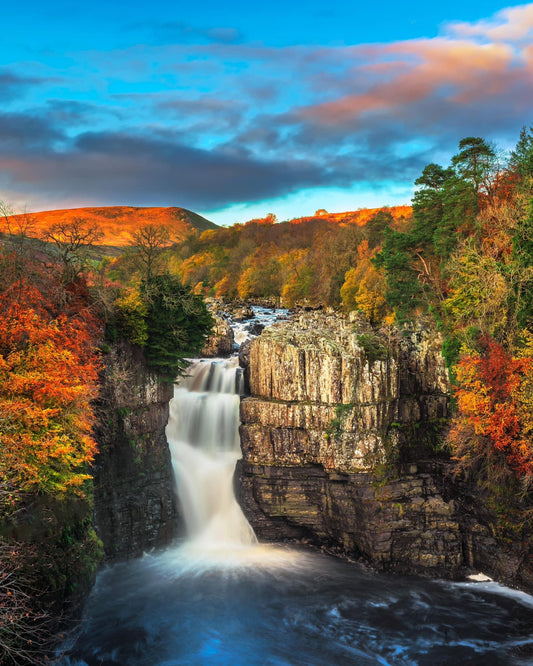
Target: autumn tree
(489, 435)
(71, 245)
(479, 291)
(364, 287)
(261, 276)
(19, 235)
(48, 377)
(148, 244)
(297, 277)
(48, 374)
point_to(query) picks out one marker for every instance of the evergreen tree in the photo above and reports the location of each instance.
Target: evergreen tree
(475, 163)
(178, 324)
(404, 293)
(521, 159)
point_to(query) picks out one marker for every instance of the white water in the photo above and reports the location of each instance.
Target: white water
(203, 436)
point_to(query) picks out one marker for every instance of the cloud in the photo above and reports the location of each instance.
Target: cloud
(26, 133)
(437, 70)
(509, 24)
(117, 167)
(440, 89)
(207, 120)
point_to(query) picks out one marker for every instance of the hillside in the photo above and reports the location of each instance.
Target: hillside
(117, 222)
(359, 217)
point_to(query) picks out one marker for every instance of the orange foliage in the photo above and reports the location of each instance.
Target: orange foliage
(48, 376)
(359, 217)
(363, 287)
(488, 397)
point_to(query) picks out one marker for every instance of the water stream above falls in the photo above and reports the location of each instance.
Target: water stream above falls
(218, 597)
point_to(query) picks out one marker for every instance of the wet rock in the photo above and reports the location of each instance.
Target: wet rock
(256, 328)
(220, 343)
(242, 313)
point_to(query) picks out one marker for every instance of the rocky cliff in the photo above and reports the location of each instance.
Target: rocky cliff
(135, 505)
(341, 442)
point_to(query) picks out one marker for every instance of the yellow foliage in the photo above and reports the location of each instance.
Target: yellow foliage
(364, 287)
(132, 313)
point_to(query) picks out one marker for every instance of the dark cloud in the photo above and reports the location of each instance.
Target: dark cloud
(115, 168)
(26, 133)
(71, 112)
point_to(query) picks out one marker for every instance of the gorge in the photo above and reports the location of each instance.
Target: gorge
(218, 597)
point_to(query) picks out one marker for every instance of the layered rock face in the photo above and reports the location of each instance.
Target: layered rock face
(135, 504)
(333, 404)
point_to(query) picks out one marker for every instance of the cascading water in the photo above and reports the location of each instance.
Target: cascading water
(203, 436)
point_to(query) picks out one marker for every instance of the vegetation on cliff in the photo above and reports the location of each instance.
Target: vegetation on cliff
(466, 261)
(58, 315)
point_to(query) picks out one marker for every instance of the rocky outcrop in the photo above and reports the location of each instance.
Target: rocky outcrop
(501, 548)
(332, 392)
(135, 505)
(335, 407)
(220, 343)
(403, 524)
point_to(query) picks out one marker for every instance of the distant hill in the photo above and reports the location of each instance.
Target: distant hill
(117, 222)
(359, 217)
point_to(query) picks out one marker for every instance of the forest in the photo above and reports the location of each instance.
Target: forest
(460, 260)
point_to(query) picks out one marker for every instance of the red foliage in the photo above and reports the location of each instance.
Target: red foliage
(487, 397)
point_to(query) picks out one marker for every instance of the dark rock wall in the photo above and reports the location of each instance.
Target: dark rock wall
(403, 525)
(135, 504)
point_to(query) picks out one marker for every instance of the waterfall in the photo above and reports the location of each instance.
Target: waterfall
(203, 436)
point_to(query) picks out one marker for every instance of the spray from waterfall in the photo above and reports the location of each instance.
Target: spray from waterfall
(203, 435)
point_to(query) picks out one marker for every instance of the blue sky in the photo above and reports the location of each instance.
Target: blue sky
(236, 110)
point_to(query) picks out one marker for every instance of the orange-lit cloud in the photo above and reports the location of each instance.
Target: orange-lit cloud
(508, 25)
(459, 71)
